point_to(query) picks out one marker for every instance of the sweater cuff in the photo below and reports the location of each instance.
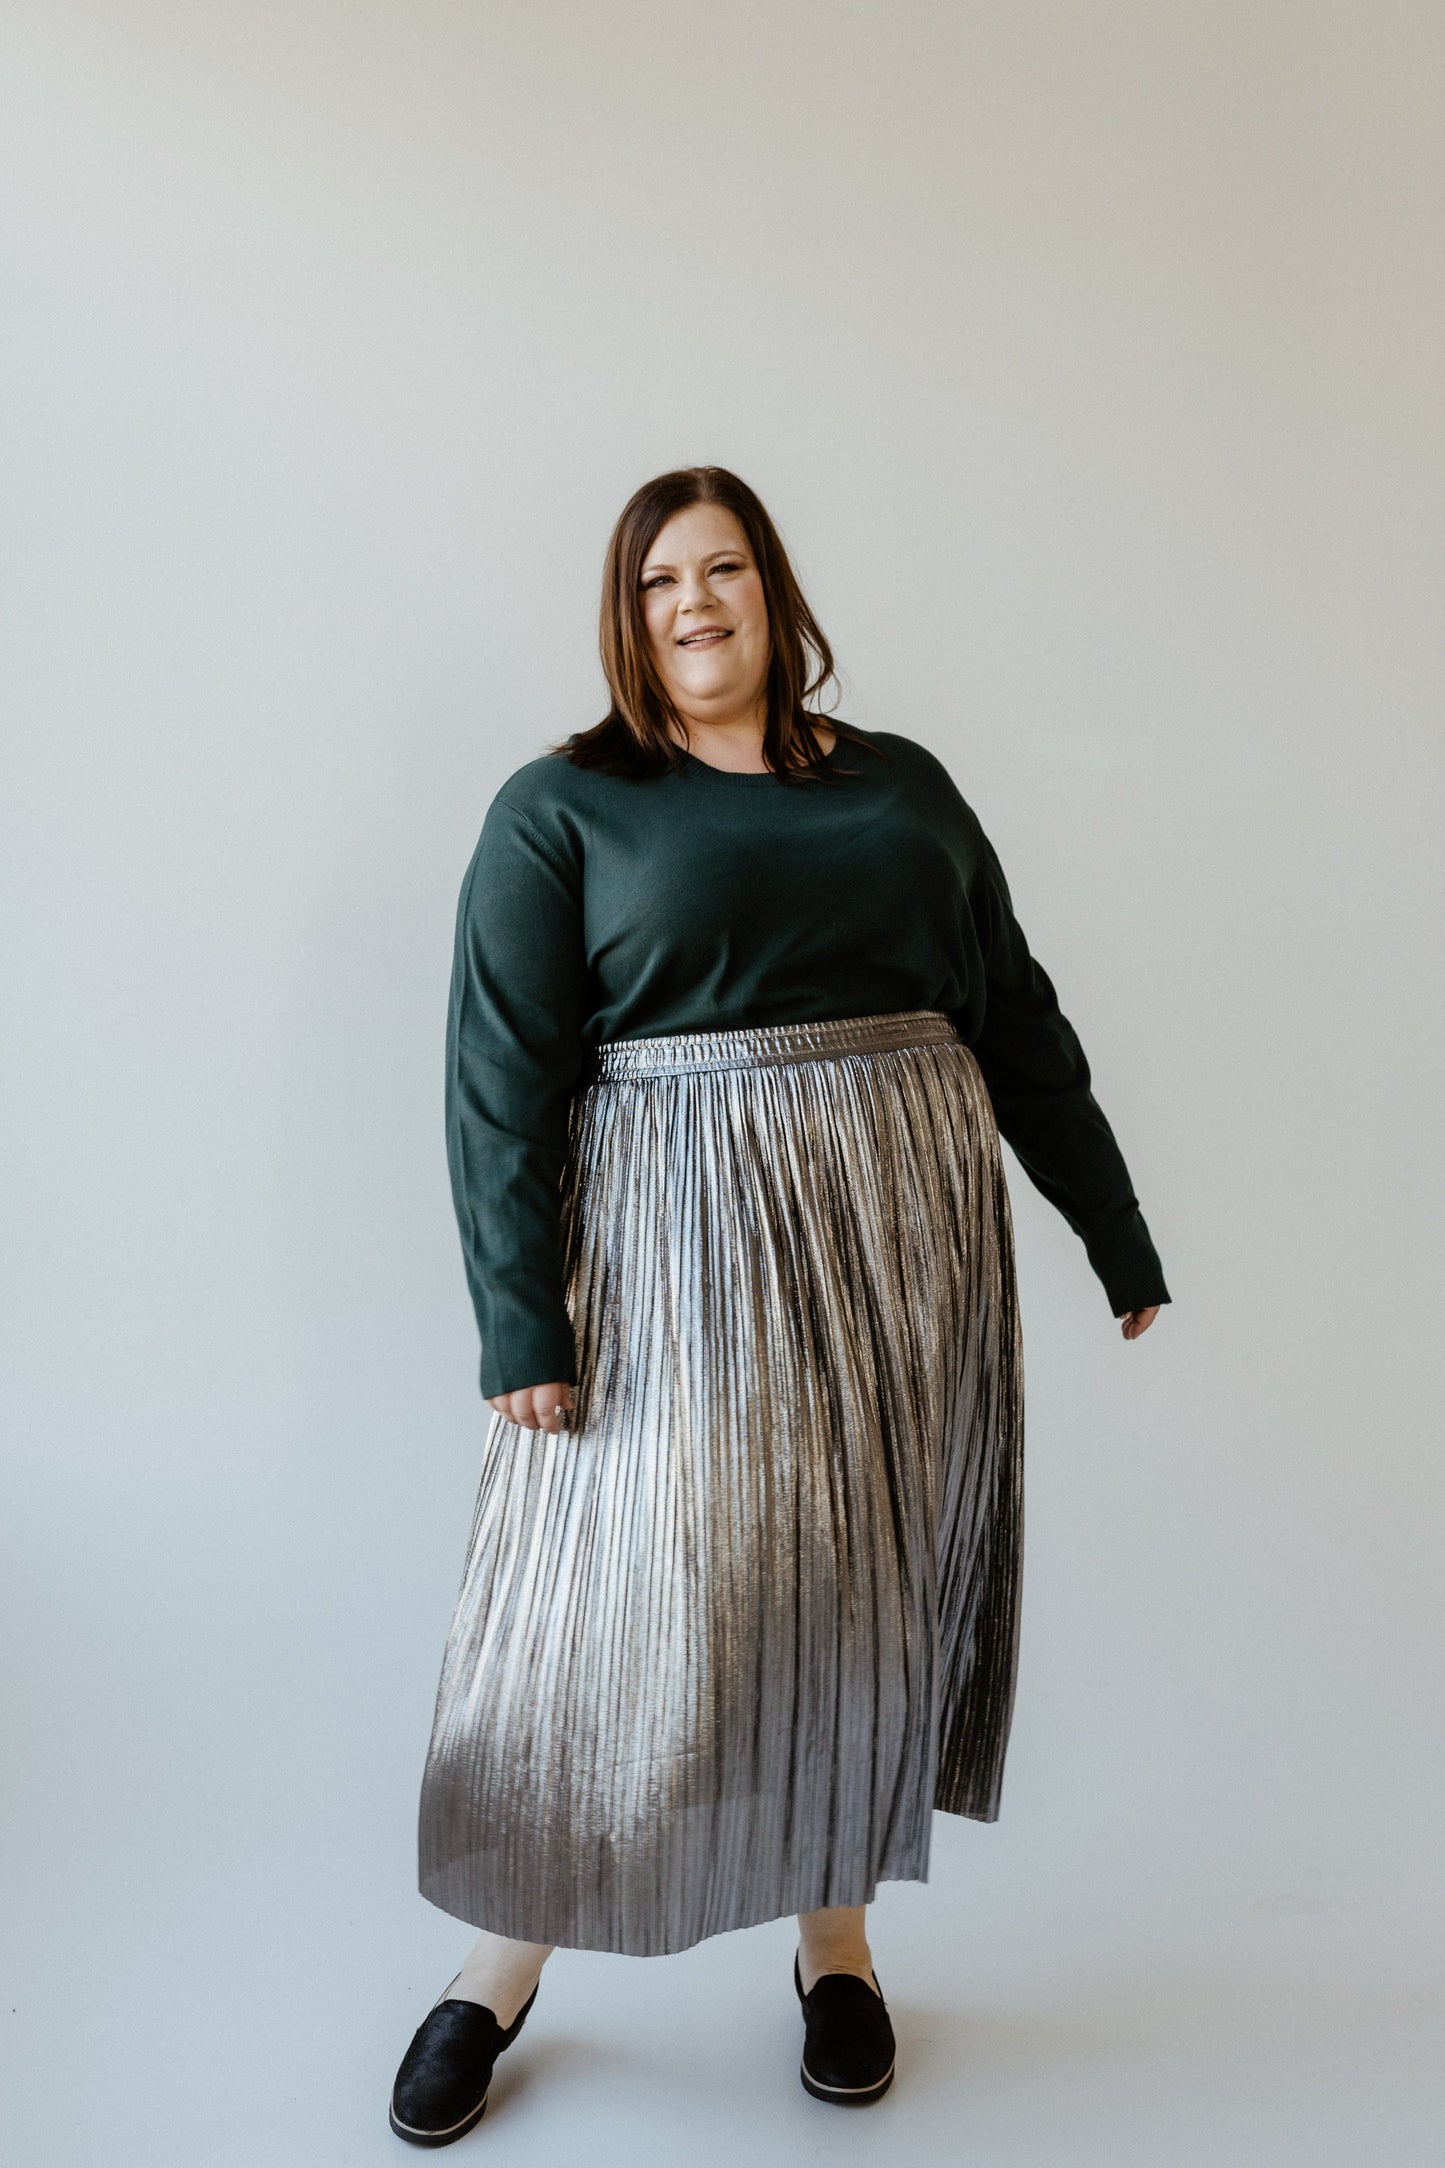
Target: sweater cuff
(528, 1351)
(1126, 1261)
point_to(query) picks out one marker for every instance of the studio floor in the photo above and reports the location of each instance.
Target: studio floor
(1146, 2034)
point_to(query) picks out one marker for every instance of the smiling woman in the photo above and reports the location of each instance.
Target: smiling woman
(707, 621)
(706, 635)
(740, 1010)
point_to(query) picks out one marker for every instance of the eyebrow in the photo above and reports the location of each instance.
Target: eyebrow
(659, 564)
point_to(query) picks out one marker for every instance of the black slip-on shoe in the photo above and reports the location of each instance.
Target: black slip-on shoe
(848, 2039)
(442, 2085)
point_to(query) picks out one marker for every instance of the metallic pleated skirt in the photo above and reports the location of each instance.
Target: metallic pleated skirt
(724, 1643)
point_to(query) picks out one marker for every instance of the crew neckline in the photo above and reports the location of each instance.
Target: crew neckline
(751, 775)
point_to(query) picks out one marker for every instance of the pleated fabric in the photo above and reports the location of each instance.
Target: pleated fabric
(724, 1643)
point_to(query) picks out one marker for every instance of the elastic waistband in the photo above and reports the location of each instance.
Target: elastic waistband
(751, 1046)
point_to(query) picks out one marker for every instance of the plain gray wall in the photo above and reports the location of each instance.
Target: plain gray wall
(1089, 355)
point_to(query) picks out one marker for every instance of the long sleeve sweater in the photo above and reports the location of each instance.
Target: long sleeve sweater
(602, 907)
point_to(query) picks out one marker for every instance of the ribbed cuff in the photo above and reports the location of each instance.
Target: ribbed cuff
(1126, 1261)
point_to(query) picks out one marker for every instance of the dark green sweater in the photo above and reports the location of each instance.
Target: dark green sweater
(601, 908)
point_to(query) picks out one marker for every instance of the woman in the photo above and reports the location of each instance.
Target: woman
(739, 1010)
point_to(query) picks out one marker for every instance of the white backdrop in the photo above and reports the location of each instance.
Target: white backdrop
(1089, 355)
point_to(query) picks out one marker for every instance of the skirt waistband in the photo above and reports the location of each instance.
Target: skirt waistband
(751, 1046)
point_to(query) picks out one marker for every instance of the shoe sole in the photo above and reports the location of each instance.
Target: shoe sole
(440, 2137)
(846, 2096)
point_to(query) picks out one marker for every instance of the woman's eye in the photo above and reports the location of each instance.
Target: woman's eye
(659, 579)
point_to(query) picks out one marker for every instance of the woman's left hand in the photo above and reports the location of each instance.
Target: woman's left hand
(1136, 1321)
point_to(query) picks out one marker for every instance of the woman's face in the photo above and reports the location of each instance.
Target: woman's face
(706, 616)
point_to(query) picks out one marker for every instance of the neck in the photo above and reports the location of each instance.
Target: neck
(740, 728)
(736, 739)
(736, 743)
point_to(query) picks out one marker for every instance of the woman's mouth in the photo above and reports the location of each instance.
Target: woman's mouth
(704, 639)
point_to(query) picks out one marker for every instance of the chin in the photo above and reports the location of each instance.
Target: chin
(708, 687)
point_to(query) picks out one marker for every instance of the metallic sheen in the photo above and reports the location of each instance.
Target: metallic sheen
(724, 1643)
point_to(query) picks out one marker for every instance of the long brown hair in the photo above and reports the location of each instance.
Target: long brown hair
(632, 739)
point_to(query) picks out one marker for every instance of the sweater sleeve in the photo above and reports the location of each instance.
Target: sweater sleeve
(514, 1057)
(1038, 1079)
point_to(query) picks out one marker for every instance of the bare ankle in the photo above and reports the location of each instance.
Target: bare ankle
(834, 1939)
(501, 1975)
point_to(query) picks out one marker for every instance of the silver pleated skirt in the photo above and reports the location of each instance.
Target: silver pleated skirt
(722, 1645)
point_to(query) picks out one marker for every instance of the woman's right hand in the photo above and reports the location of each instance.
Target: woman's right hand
(535, 1406)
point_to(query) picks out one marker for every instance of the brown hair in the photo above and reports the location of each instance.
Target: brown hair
(632, 738)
